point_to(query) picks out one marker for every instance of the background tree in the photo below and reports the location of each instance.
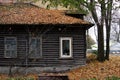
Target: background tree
(90, 41)
(108, 17)
(115, 33)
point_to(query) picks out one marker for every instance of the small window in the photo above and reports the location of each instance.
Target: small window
(35, 47)
(10, 47)
(65, 47)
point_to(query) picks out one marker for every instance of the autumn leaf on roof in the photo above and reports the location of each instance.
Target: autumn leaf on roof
(33, 15)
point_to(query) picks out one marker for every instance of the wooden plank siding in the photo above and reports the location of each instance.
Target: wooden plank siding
(50, 46)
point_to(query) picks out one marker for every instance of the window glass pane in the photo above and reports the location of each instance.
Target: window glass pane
(66, 48)
(10, 38)
(13, 47)
(7, 46)
(38, 47)
(8, 41)
(10, 47)
(7, 53)
(34, 49)
(13, 54)
(32, 52)
(33, 42)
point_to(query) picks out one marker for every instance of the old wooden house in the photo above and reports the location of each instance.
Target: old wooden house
(36, 37)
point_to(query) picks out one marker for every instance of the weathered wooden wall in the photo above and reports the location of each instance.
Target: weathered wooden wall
(50, 46)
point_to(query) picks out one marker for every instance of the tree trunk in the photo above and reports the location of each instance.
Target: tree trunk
(100, 56)
(118, 36)
(107, 41)
(100, 25)
(108, 27)
(107, 35)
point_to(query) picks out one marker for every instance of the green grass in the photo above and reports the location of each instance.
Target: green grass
(113, 78)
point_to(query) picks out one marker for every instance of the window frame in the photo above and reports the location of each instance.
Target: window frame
(70, 47)
(5, 49)
(40, 38)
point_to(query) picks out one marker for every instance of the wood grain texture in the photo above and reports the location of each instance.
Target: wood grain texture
(50, 46)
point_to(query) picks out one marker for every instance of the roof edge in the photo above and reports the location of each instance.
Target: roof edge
(87, 26)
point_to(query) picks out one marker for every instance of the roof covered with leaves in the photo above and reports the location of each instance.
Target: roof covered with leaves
(29, 14)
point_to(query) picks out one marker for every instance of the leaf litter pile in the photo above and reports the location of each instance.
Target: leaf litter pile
(92, 70)
(29, 14)
(96, 70)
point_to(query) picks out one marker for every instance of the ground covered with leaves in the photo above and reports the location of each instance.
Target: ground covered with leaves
(93, 70)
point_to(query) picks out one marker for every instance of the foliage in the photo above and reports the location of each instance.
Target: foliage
(71, 4)
(90, 41)
(95, 52)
